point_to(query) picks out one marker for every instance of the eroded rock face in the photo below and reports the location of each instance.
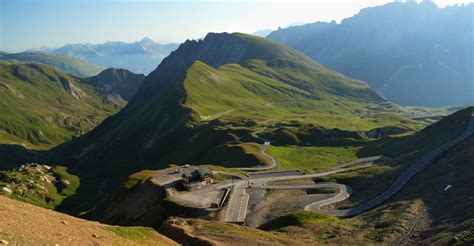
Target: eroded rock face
(71, 88)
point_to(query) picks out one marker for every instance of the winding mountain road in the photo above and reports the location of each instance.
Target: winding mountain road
(263, 149)
(237, 207)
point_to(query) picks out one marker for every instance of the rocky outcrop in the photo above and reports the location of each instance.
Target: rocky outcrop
(42, 185)
(71, 88)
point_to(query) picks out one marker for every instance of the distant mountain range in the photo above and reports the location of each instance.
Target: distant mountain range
(64, 63)
(139, 57)
(414, 54)
(263, 33)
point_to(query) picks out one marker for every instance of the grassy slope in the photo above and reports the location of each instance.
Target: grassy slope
(24, 224)
(314, 158)
(61, 62)
(39, 111)
(220, 233)
(281, 82)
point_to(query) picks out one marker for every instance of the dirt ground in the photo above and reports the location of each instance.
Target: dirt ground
(25, 224)
(200, 199)
(266, 205)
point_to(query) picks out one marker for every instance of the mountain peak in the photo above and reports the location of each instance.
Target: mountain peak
(247, 51)
(117, 81)
(116, 72)
(147, 40)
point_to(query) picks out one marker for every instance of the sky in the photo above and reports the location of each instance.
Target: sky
(28, 24)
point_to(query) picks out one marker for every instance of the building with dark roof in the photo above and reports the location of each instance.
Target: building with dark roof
(195, 177)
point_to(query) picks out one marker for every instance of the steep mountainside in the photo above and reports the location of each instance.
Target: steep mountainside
(42, 107)
(117, 86)
(139, 57)
(414, 54)
(25, 224)
(68, 64)
(203, 102)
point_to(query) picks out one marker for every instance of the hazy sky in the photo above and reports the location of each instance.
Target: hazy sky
(34, 23)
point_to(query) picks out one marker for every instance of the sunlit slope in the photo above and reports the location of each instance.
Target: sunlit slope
(25, 224)
(272, 82)
(41, 106)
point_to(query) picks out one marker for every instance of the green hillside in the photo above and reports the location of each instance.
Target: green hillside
(233, 91)
(273, 80)
(42, 107)
(68, 64)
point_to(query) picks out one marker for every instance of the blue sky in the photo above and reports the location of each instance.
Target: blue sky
(34, 23)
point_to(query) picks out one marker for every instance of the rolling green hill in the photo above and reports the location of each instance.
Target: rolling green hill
(42, 107)
(68, 64)
(202, 103)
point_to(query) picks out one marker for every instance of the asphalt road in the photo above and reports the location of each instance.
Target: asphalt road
(263, 149)
(237, 206)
